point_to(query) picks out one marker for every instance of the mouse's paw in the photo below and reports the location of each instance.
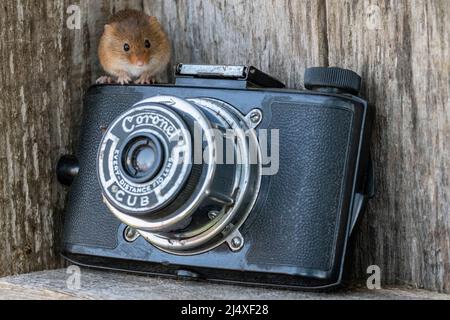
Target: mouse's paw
(145, 79)
(124, 79)
(104, 80)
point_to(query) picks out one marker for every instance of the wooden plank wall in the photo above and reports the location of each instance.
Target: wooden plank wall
(400, 47)
(35, 125)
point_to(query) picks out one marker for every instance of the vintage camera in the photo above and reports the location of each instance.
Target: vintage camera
(225, 176)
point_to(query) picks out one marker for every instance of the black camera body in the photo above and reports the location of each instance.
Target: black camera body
(149, 196)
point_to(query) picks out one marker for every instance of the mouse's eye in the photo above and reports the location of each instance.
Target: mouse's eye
(147, 44)
(126, 47)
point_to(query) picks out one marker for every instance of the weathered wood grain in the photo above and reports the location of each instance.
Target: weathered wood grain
(33, 112)
(401, 47)
(280, 36)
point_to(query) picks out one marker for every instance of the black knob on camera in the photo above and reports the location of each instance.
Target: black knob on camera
(67, 169)
(334, 79)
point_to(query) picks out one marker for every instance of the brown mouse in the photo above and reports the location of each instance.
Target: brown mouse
(133, 46)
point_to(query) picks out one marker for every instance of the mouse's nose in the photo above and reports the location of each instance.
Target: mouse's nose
(140, 63)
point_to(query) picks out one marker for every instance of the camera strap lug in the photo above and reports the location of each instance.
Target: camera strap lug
(361, 199)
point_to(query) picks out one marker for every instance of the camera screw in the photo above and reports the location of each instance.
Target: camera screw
(181, 142)
(237, 242)
(130, 234)
(255, 117)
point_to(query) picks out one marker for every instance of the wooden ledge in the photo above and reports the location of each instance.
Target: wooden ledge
(52, 284)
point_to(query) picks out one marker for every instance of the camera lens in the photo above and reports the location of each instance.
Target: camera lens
(145, 161)
(158, 171)
(142, 158)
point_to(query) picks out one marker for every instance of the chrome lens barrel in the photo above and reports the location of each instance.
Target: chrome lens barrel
(215, 181)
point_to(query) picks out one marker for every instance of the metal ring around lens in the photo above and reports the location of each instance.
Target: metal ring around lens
(249, 185)
(146, 223)
(109, 157)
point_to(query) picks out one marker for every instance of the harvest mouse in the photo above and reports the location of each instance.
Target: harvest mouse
(133, 46)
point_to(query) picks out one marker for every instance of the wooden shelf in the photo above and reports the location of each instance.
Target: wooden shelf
(49, 285)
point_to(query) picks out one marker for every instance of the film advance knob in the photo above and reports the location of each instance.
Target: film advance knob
(341, 80)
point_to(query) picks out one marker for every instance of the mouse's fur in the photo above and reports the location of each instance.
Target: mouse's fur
(133, 28)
